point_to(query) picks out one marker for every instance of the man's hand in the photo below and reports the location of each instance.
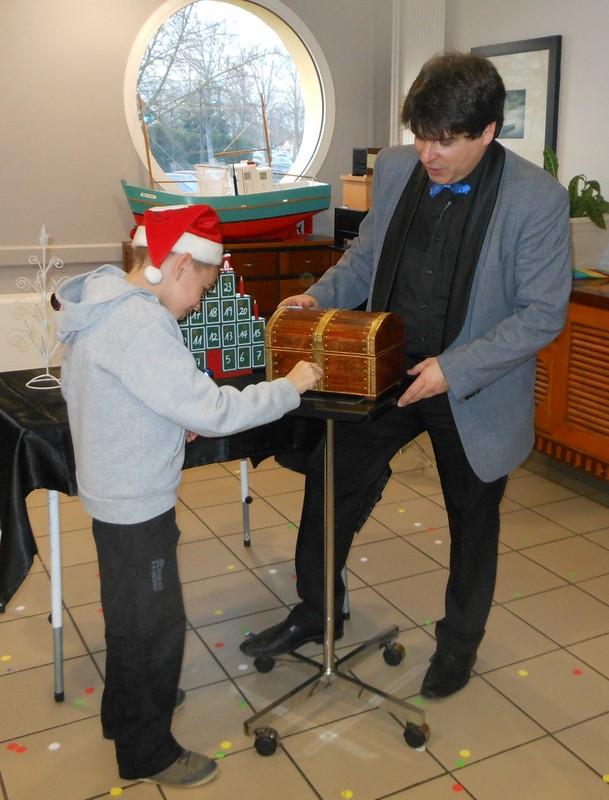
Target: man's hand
(302, 300)
(430, 381)
(190, 436)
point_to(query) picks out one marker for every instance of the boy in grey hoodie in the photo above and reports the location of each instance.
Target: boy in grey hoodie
(134, 394)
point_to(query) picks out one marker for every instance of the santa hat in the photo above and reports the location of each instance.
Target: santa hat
(193, 229)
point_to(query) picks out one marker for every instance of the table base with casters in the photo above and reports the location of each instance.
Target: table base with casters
(333, 670)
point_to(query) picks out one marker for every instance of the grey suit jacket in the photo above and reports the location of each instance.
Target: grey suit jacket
(517, 305)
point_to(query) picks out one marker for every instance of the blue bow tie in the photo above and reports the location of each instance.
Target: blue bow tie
(456, 188)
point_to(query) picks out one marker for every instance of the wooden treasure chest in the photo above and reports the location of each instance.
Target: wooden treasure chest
(361, 352)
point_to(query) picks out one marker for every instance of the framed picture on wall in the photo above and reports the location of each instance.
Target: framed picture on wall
(531, 73)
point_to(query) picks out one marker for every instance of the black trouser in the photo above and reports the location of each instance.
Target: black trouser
(145, 628)
(362, 452)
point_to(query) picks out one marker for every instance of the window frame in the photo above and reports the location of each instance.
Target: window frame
(316, 79)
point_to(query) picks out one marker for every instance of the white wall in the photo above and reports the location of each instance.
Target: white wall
(64, 140)
(583, 109)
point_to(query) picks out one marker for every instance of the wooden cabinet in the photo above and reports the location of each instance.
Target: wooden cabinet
(572, 386)
(273, 271)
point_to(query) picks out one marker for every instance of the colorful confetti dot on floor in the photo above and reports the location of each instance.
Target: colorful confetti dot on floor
(243, 704)
(401, 510)
(226, 745)
(242, 667)
(20, 608)
(218, 612)
(5, 657)
(457, 787)
(418, 701)
(20, 749)
(219, 645)
(421, 749)
(89, 690)
(219, 754)
(517, 595)
(116, 791)
(578, 671)
(465, 753)
(606, 778)
(12, 746)
(523, 673)
(417, 524)
(273, 571)
(54, 746)
(79, 702)
(459, 763)
(346, 794)
(364, 558)
(437, 541)
(230, 567)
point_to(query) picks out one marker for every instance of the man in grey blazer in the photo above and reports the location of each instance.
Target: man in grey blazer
(469, 243)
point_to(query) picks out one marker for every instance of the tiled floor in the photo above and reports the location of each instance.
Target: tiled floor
(533, 722)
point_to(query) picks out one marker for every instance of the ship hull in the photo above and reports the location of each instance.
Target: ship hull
(267, 215)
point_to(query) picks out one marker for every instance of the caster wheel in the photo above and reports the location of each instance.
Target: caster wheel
(266, 741)
(416, 735)
(264, 663)
(394, 654)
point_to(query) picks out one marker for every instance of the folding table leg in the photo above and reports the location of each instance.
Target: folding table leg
(56, 593)
(245, 502)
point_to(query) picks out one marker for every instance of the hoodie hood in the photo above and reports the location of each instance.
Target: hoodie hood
(87, 298)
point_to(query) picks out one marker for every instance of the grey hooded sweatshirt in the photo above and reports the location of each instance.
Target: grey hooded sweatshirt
(133, 389)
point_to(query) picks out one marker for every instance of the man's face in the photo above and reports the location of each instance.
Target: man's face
(186, 286)
(451, 159)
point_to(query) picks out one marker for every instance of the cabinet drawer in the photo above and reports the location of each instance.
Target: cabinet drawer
(311, 260)
(287, 288)
(254, 264)
(266, 294)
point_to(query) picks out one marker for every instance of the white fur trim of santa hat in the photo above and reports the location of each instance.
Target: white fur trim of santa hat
(200, 236)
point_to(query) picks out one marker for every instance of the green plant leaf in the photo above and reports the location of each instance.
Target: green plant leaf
(596, 216)
(550, 161)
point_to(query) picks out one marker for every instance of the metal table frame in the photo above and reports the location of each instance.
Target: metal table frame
(331, 669)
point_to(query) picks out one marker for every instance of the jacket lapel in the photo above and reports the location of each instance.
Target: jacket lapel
(483, 204)
(396, 236)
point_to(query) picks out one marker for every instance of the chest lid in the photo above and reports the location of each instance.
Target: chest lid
(367, 333)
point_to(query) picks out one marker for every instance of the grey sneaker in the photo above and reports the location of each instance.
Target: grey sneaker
(189, 769)
(108, 733)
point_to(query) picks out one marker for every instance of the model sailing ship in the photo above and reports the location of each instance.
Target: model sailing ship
(257, 210)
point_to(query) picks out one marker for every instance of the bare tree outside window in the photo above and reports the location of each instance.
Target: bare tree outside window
(204, 79)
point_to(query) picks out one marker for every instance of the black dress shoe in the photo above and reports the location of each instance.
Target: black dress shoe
(448, 673)
(285, 637)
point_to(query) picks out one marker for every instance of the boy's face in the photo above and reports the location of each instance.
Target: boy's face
(185, 284)
(452, 159)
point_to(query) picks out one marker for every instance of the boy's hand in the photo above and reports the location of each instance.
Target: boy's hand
(305, 375)
(190, 436)
(302, 300)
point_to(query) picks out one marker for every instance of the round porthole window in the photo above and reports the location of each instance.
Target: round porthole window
(215, 82)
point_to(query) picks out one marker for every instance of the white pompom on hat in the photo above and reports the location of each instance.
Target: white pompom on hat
(193, 229)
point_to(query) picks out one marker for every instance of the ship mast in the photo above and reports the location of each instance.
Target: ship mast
(140, 107)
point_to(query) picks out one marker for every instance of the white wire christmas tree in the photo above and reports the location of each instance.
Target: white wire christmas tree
(38, 318)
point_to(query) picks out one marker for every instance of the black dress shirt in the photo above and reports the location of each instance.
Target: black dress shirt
(425, 273)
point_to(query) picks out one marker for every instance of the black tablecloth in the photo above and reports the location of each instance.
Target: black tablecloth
(36, 453)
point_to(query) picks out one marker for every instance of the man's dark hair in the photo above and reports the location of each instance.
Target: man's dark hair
(453, 94)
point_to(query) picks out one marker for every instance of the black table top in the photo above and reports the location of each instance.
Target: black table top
(37, 452)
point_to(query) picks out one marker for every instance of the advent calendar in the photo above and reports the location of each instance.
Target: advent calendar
(226, 334)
